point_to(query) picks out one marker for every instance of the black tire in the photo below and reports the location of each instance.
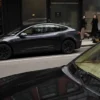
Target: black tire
(68, 46)
(94, 41)
(5, 52)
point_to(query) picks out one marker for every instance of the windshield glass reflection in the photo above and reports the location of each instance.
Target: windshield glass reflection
(90, 61)
(87, 69)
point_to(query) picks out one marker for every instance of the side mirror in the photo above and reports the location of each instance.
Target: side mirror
(22, 35)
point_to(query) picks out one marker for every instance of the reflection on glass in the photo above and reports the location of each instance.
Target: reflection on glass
(68, 14)
(89, 68)
(27, 87)
(90, 61)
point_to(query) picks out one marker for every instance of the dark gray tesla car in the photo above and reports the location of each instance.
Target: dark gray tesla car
(40, 37)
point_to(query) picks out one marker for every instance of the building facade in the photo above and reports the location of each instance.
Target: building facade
(89, 9)
(15, 13)
(11, 15)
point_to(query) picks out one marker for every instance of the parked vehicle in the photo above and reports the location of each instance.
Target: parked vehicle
(38, 38)
(79, 80)
(50, 84)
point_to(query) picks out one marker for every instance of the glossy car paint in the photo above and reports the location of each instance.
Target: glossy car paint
(49, 84)
(41, 42)
(88, 75)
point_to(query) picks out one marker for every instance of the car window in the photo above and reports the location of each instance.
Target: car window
(29, 86)
(88, 68)
(34, 30)
(54, 89)
(48, 29)
(41, 85)
(53, 28)
(38, 30)
(90, 61)
(60, 28)
(48, 89)
(72, 87)
(28, 31)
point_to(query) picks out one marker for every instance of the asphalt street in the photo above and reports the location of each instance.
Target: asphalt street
(37, 62)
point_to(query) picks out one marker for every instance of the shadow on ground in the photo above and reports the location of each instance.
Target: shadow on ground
(30, 55)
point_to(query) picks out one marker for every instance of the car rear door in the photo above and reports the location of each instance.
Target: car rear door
(49, 37)
(29, 43)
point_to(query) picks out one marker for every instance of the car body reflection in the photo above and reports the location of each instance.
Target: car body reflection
(85, 70)
(50, 84)
(79, 80)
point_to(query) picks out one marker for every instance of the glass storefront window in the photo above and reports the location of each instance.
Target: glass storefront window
(65, 13)
(33, 11)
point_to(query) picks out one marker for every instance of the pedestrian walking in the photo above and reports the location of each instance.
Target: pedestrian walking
(94, 26)
(83, 28)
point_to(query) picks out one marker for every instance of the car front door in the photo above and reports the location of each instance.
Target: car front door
(29, 42)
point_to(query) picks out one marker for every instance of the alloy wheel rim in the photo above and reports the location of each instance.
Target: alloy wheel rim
(4, 52)
(68, 47)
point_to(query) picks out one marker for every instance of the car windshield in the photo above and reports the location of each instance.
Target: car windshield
(88, 69)
(90, 61)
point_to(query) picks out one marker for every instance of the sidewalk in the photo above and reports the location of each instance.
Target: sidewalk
(87, 42)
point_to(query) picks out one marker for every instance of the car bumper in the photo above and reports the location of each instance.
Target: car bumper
(78, 44)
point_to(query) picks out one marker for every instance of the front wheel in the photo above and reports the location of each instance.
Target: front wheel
(5, 52)
(68, 46)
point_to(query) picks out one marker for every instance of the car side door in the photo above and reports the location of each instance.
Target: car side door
(30, 42)
(50, 36)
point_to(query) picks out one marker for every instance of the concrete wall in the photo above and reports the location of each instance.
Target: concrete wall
(11, 15)
(37, 7)
(93, 5)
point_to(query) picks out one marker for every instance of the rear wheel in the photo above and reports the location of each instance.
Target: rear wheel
(68, 46)
(94, 41)
(5, 52)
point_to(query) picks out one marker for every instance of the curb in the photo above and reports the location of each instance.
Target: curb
(87, 45)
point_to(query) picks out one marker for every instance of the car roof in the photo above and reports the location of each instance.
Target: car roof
(41, 25)
(49, 24)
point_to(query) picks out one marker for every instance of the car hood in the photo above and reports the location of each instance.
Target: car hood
(7, 38)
